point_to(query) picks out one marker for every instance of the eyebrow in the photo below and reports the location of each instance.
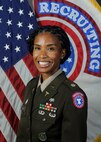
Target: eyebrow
(37, 44)
(47, 44)
(51, 44)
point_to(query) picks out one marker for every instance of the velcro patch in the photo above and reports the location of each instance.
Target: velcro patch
(78, 99)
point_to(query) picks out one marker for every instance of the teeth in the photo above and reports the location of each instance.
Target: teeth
(43, 63)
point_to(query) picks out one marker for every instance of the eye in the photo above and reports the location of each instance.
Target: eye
(36, 48)
(51, 49)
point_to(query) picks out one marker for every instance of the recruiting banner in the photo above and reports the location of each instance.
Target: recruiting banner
(81, 19)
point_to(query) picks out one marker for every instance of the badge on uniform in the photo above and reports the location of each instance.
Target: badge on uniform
(41, 112)
(49, 108)
(51, 100)
(78, 99)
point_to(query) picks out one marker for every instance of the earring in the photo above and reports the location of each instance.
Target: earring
(62, 57)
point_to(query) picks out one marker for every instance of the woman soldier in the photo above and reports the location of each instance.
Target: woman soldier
(54, 108)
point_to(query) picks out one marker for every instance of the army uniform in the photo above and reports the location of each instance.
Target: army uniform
(56, 114)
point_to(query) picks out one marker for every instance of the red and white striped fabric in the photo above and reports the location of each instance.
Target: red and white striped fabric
(12, 84)
(17, 20)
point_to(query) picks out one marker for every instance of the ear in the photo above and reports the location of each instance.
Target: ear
(63, 54)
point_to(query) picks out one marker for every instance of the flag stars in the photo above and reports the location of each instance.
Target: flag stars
(9, 22)
(1, 8)
(10, 10)
(8, 34)
(0, 20)
(19, 24)
(18, 36)
(69, 60)
(5, 59)
(17, 49)
(30, 13)
(7, 47)
(30, 26)
(20, 12)
(14, 16)
(21, 1)
(65, 69)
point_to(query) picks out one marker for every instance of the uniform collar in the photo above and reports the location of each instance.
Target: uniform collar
(45, 83)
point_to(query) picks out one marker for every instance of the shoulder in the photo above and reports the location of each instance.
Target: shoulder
(72, 86)
(67, 83)
(69, 86)
(33, 81)
(30, 85)
(75, 93)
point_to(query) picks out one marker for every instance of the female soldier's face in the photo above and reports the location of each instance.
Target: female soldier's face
(47, 54)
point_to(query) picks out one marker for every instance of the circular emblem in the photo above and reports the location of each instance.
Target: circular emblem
(78, 100)
(79, 25)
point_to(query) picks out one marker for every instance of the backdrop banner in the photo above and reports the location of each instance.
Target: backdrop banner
(82, 21)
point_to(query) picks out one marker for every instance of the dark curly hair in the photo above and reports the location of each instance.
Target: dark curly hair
(55, 30)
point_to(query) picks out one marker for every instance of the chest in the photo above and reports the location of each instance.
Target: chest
(44, 106)
(47, 108)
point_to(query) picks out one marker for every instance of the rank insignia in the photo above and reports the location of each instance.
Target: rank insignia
(73, 85)
(78, 99)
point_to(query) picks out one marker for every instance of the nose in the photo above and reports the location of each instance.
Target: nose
(43, 53)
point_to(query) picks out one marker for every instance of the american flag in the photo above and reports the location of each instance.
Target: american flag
(16, 65)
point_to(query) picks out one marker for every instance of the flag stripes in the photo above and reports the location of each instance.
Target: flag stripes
(5, 104)
(29, 63)
(2, 137)
(16, 81)
(6, 129)
(23, 72)
(10, 93)
(17, 21)
(13, 83)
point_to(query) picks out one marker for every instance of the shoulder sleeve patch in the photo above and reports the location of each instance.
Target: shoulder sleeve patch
(78, 99)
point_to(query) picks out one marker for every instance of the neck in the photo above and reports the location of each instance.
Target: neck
(44, 76)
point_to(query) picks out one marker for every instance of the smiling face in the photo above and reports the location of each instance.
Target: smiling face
(47, 54)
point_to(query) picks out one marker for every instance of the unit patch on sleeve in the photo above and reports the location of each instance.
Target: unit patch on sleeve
(78, 99)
